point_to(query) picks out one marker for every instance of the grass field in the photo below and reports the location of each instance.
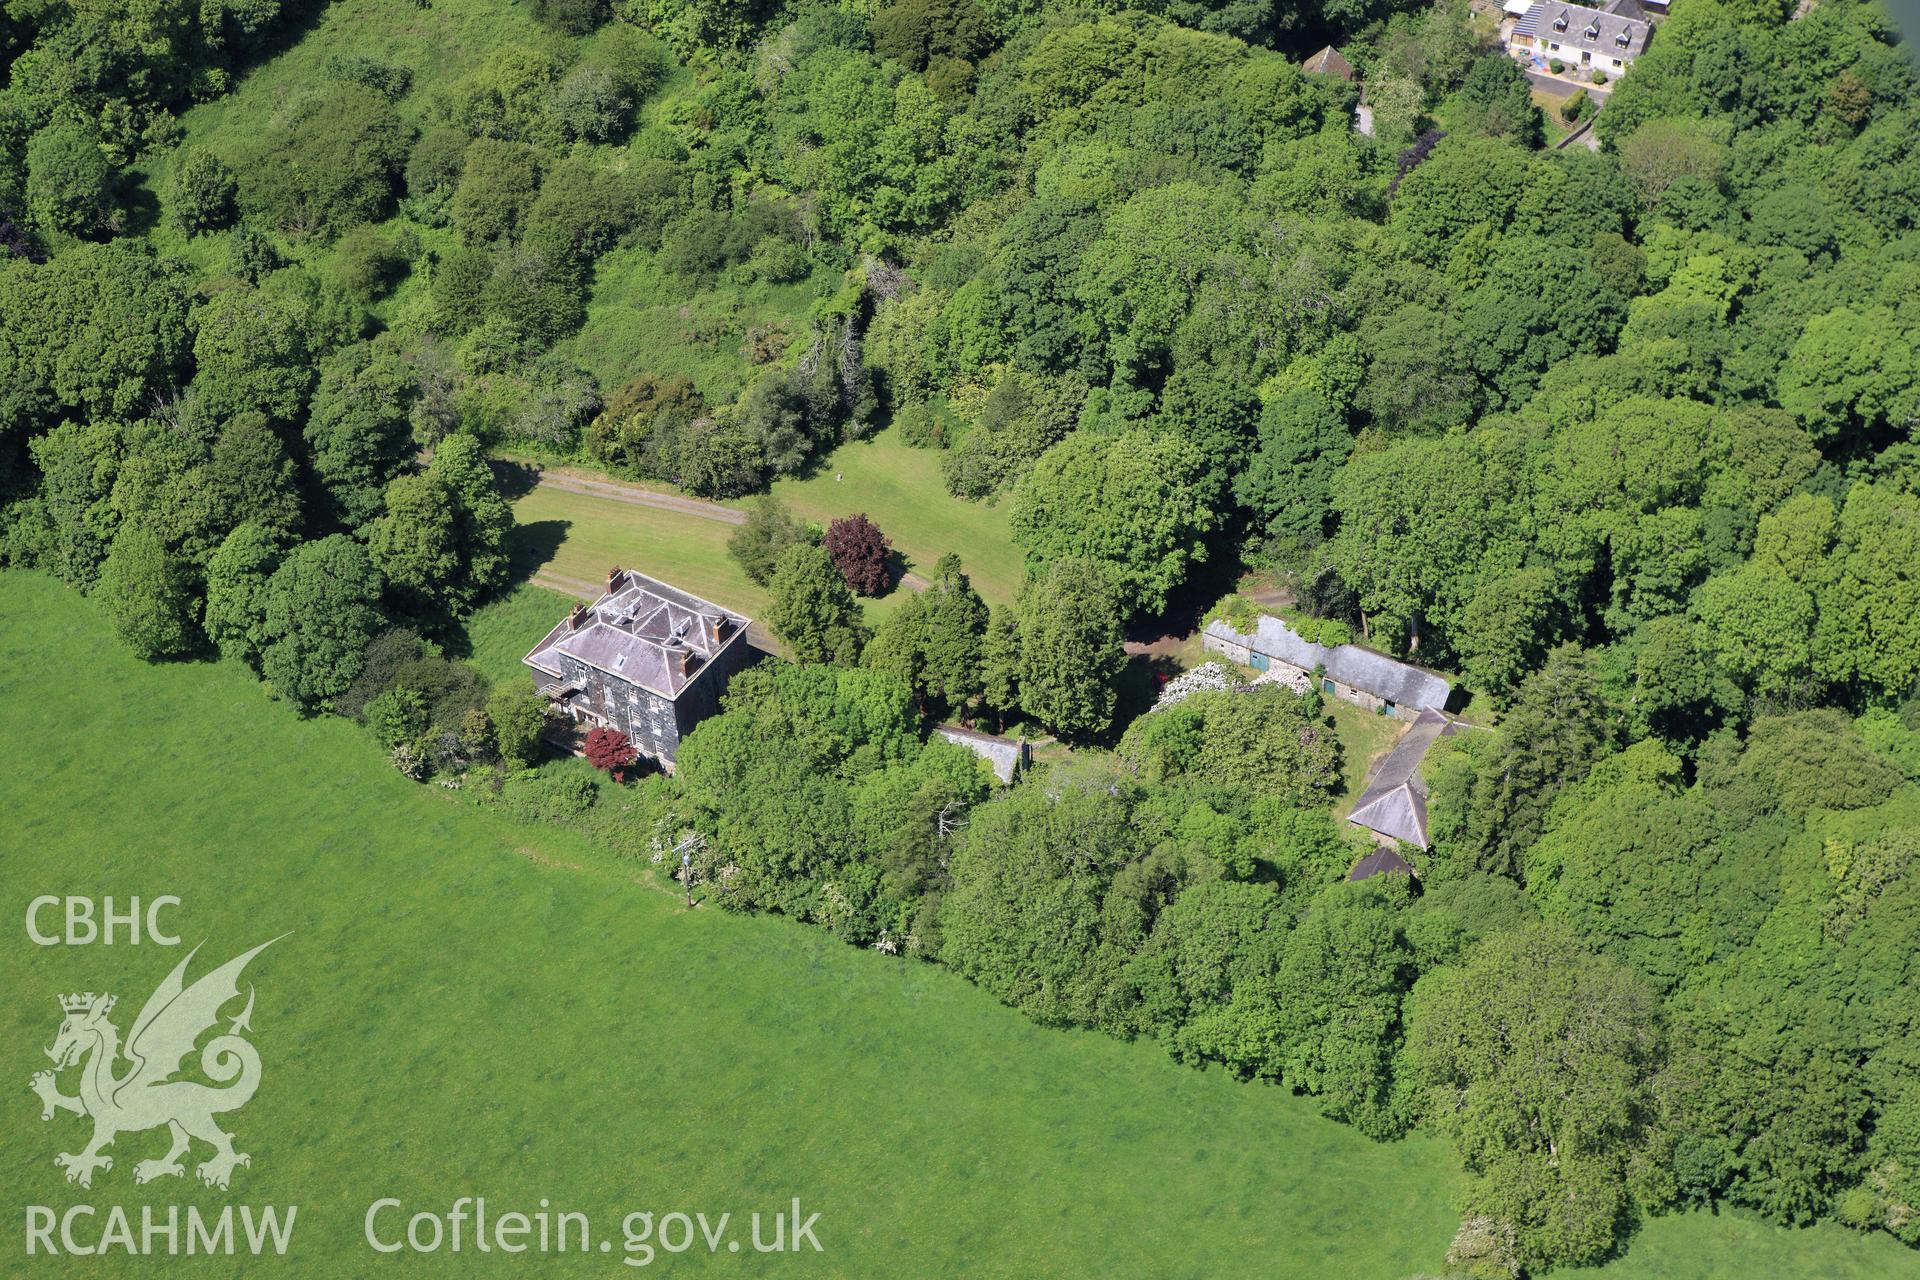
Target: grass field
(582, 536)
(468, 1006)
(901, 488)
(644, 320)
(503, 630)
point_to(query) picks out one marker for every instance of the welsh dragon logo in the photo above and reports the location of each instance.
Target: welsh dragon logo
(145, 1095)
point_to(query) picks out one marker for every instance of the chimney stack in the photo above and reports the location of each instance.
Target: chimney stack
(577, 616)
(616, 577)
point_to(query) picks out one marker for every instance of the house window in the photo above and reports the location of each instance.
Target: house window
(1616, 62)
(1554, 47)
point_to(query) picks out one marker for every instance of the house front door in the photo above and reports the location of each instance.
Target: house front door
(1257, 661)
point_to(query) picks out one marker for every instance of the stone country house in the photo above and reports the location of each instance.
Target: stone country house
(644, 658)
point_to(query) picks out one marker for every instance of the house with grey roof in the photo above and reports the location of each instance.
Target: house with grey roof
(1350, 671)
(1585, 40)
(644, 658)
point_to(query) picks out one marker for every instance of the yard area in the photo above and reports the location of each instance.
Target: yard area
(1364, 736)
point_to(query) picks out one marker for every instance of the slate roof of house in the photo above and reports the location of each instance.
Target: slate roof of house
(1615, 35)
(1395, 801)
(1397, 682)
(643, 631)
(1328, 62)
(1379, 863)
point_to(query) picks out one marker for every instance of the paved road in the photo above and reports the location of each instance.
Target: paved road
(679, 504)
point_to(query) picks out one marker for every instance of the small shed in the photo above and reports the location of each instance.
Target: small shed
(1328, 62)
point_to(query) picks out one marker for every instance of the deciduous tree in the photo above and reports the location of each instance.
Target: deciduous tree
(859, 552)
(145, 593)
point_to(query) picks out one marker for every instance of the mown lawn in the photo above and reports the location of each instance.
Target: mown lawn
(901, 489)
(469, 1006)
(580, 536)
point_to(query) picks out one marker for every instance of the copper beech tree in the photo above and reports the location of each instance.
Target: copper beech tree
(859, 552)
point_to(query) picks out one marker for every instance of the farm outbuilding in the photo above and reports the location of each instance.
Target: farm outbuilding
(1350, 671)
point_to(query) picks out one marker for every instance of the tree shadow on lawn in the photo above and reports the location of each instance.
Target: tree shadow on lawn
(515, 480)
(898, 567)
(139, 203)
(532, 545)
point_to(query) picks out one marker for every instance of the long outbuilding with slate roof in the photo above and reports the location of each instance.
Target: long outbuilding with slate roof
(1350, 671)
